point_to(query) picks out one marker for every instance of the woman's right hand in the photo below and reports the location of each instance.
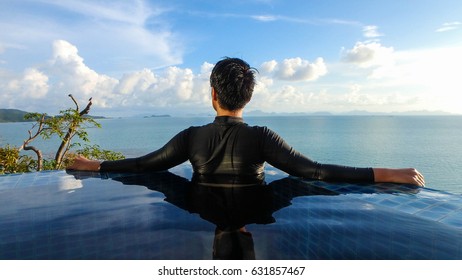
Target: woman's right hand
(399, 175)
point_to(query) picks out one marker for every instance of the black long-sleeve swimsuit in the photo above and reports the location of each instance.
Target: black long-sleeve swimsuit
(229, 146)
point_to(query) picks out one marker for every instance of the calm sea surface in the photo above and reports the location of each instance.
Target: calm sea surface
(432, 144)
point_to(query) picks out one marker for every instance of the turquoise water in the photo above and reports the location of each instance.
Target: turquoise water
(432, 144)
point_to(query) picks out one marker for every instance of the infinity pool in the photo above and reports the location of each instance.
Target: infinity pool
(173, 215)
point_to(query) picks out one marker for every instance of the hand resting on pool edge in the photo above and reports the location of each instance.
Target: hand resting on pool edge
(399, 175)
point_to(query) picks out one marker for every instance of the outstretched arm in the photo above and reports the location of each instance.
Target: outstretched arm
(279, 154)
(170, 155)
(401, 175)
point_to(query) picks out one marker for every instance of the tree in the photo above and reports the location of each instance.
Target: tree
(68, 124)
(40, 128)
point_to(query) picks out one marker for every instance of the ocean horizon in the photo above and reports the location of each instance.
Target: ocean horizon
(432, 144)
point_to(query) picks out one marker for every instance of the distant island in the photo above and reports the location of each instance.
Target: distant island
(258, 113)
(15, 115)
(158, 116)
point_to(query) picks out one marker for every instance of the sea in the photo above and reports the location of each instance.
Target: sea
(431, 144)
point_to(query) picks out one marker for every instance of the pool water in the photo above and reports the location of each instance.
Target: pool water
(174, 215)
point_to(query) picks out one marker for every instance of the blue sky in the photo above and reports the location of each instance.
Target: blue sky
(138, 57)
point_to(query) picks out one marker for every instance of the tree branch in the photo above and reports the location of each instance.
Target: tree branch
(66, 141)
(75, 102)
(39, 156)
(30, 139)
(87, 108)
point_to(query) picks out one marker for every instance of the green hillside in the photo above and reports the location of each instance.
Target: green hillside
(12, 115)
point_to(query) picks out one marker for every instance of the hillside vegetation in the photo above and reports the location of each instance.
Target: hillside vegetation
(12, 115)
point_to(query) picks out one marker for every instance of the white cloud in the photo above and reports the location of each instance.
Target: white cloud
(268, 97)
(176, 84)
(447, 26)
(74, 77)
(34, 84)
(172, 87)
(355, 96)
(139, 81)
(304, 20)
(263, 83)
(368, 54)
(202, 84)
(422, 67)
(272, 97)
(31, 85)
(368, 96)
(437, 69)
(295, 69)
(371, 31)
(268, 66)
(264, 18)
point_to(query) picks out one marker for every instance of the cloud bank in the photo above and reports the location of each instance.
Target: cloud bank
(369, 76)
(295, 69)
(173, 87)
(66, 73)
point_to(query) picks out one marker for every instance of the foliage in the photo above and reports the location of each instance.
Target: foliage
(95, 152)
(60, 125)
(68, 124)
(12, 162)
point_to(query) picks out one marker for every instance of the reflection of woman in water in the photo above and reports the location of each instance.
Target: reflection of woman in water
(234, 244)
(232, 203)
(228, 146)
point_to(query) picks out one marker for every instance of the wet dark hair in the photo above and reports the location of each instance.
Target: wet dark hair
(233, 80)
